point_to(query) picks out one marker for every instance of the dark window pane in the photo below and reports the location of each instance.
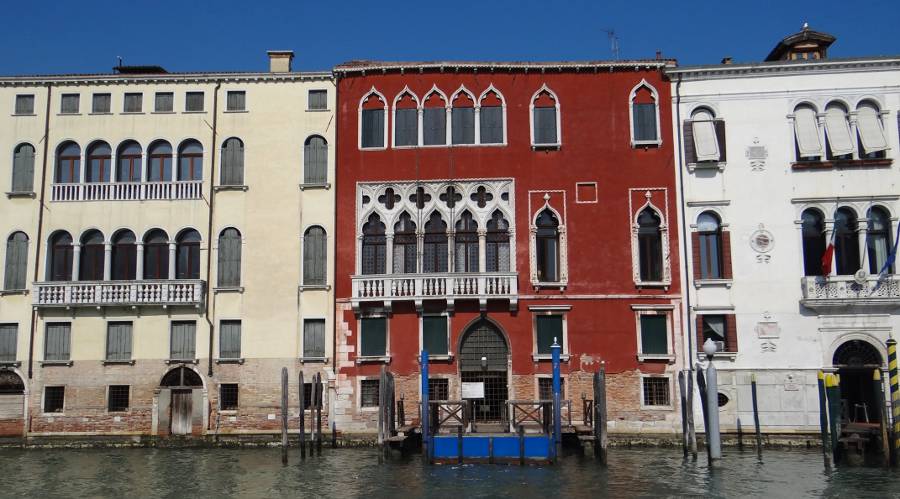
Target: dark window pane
(654, 335)
(656, 391)
(118, 398)
(434, 335)
(165, 102)
(406, 127)
(491, 125)
(369, 389)
(463, 120)
(549, 327)
(373, 337)
(434, 126)
(545, 125)
(645, 122)
(54, 398)
(373, 128)
(228, 396)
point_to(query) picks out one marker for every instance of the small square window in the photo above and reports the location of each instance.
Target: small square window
(54, 398)
(118, 398)
(654, 335)
(438, 389)
(368, 393)
(373, 337)
(133, 103)
(586, 192)
(434, 334)
(164, 102)
(656, 392)
(318, 100)
(545, 388)
(193, 102)
(228, 397)
(549, 329)
(236, 100)
(69, 104)
(25, 104)
(101, 103)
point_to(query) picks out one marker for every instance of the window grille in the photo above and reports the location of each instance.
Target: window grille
(438, 389)
(656, 391)
(368, 393)
(228, 397)
(24, 104)
(118, 398)
(54, 398)
(545, 388)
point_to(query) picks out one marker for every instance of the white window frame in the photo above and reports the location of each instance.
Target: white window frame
(463, 90)
(386, 358)
(668, 311)
(664, 236)
(880, 114)
(359, 384)
(537, 385)
(301, 343)
(448, 131)
(421, 320)
(563, 244)
(818, 118)
(550, 310)
(638, 143)
(669, 407)
(127, 409)
(44, 400)
(359, 121)
(556, 106)
(246, 108)
(419, 110)
(489, 89)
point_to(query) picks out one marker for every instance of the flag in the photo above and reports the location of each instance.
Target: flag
(888, 262)
(828, 255)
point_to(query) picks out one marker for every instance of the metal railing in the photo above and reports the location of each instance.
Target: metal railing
(127, 191)
(99, 293)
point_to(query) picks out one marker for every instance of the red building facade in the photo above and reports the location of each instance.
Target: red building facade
(485, 210)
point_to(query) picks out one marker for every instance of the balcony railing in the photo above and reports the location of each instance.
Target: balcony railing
(846, 291)
(118, 293)
(449, 287)
(128, 191)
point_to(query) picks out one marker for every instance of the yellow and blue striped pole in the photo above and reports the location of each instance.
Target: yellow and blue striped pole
(895, 394)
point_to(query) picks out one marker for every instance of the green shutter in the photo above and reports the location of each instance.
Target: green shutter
(434, 335)
(373, 337)
(8, 342)
(57, 341)
(230, 340)
(654, 335)
(548, 328)
(314, 338)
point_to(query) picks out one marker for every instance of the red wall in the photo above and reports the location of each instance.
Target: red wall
(596, 147)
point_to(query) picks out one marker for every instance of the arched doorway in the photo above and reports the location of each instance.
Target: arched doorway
(855, 361)
(12, 403)
(184, 388)
(484, 358)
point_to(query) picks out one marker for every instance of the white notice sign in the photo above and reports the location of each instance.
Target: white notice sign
(473, 390)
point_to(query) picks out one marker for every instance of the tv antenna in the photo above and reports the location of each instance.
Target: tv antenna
(613, 42)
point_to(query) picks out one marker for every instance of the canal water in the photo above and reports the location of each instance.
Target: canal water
(349, 473)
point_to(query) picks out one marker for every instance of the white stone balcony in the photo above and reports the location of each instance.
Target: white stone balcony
(127, 191)
(182, 292)
(844, 291)
(388, 288)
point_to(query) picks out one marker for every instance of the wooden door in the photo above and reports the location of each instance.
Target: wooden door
(181, 412)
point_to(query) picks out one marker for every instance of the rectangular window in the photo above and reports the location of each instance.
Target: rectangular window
(314, 338)
(57, 341)
(118, 398)
(373, 337)
(545, 126)
(8, 342)
(100, 103)
(309, 397)
(719, 328)
(318, 100)
(193, 101)
(134, 102)
(463, 122)
(228, 397)
(69, 104)
(372, 128)
(230, 340)
(54, 398)
(654, 335)
(368, 389)
(491, 125)
(549, 328)
(434, 126)
(406, 127)
(118, 341)
(236, 100)
(438, 389)
(25, 104)
(656, 391)
(164, 102)
(644, 122)
(183, 340)
(434, 334)
(545, 388)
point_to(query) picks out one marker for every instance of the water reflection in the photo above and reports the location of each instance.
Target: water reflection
(348, 473)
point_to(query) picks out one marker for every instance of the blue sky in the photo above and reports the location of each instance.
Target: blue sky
(58, 36)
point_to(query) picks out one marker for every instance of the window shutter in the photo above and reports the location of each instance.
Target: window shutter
(731, 343)
(548, 328)
(807, 132)
(837, 129)
(23, 169)
(118, 341)
(644, 116)
(16, 261)
(463, 121)
(695, 254)
(690, 155)
(229, 258)
(699, 327)
(373, 337)
(406, 127)
(183, 340)
(435, 126)
(236, 101)
(57, 342)
(24, 104)
(706, 144)
(726, 254)
(654, 335)
(315, 161)
(720, 137)
(314, 338)
(314, 257)
(871, 131)
(491, 124)
(8, 342)
(545, 125)
(230, 340)
(227, 163)
(434, 335)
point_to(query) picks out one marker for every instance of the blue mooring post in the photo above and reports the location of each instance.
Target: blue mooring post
(557, 424)
(426, 436)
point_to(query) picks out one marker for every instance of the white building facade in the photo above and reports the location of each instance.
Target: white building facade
(778, 160)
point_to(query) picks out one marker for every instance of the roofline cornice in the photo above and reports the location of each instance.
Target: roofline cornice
(400, 67)
(783, 68)
(169, 78)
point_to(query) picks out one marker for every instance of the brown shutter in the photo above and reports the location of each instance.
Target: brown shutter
(699, 333)
(731, 343)
(720, 137)
(726, 254)
(690, 155)
(695, 254)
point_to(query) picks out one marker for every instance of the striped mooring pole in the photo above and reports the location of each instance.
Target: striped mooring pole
(895, 394)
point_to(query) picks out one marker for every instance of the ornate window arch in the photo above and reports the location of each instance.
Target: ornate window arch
(650, 244)
(548, 247)
(372, 246)
(491, 120)
(407, 110)
(373, 126)
(643, 103)
(436, 109)
(544, 118)
(463, 123)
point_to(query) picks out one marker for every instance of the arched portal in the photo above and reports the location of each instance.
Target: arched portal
(12, 403)
(182, 388)
(855, 361)
(484, 358)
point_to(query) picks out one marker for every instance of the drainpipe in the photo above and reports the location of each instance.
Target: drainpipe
(686, 278)
(210, 301)
(334, 275)
(39, 237)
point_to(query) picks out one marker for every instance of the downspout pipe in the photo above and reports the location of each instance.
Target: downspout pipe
(686, 278)
(39, 237)
(210, 296)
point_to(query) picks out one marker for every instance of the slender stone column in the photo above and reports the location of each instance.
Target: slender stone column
(76, 260)
(482, 250)
(107, 261)
(171, 260)
(139, 265)
(389, 254)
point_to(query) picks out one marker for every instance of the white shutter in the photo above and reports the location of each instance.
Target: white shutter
(706, 144)
(807, 131)
(838, 130)
(871, 131)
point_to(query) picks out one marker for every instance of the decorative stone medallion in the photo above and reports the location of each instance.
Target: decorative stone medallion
(762, 241)
(757, 155)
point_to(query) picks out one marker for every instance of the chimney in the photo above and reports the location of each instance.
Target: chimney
(726, 60)
(280, 60)
(659, 55)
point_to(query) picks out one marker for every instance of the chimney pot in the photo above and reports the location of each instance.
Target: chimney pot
(280, 60)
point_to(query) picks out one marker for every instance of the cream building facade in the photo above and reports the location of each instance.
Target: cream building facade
(168, 249)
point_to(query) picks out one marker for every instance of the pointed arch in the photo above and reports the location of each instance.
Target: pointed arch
(544, 116)
(491, 120)
(436, 107)
(373, 246)
(462, 117)
(373, 123)
(643, 103)
(406, 110)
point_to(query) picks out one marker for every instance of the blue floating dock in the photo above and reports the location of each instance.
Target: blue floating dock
(492, 448)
